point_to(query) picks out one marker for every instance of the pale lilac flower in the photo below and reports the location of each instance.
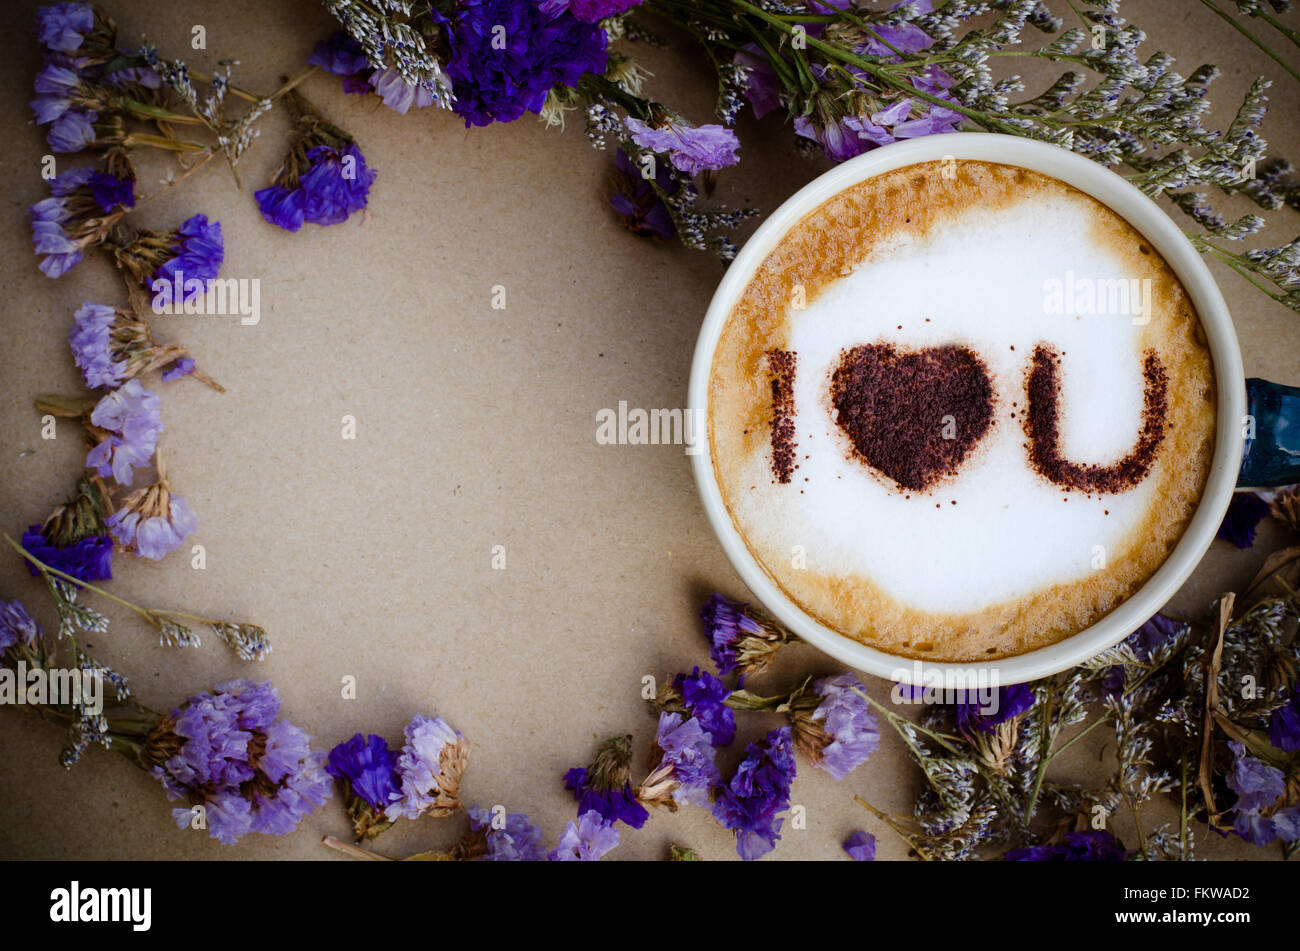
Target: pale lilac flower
(517, 841)
(691, 149)
(91, 345)
(428, 769)
(250, 771)
(1258, 787)
(587, 840)
(153, 536)
(132, 417)
(72, 131)
(686, 772)
(847, 724)
(16, 626)
(397, 94)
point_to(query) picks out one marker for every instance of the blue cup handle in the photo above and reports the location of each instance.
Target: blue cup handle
(1272, 435)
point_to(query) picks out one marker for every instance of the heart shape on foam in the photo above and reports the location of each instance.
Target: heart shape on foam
(912, 415)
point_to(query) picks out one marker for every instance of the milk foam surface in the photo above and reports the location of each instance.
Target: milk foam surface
(981, 282)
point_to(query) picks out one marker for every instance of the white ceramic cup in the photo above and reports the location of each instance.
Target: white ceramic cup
(1163, 234)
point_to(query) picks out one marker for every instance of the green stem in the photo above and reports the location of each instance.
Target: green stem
(1223, 15)
(896, 826)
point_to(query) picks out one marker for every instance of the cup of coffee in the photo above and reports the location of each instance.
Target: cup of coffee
(974, 408)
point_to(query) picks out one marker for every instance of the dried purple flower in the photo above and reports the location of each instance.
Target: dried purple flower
(1089, 845)
(861, 846)
(586, 840)
(759, 790)
(704, 697)
(740, 639)
(588, 11)
(495, 84)
(685, 771)
(833, 724)
(153, 521)
(603, 786)
(1284, 725)
(61, 27)
(367, 771)
(691, 149)
(131, 417)
(89, 558)
(1245, 512)
(429, 770)
(1011, 702)
(636, 200)
(16, 626)
(226, 751)
(515, 840)
(343, 56)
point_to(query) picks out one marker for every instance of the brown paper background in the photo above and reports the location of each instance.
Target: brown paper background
(475, 428)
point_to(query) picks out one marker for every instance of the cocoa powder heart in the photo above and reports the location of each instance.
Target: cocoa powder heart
(892, 405)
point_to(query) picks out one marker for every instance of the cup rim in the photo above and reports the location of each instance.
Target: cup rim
(1165, 236)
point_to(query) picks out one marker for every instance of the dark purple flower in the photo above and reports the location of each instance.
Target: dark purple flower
(614, 803)
(541, 52)
(518, 840)
(62, 26)
(640, 206)
(90, 558)
(705, 697)
(691, 149)
(109, 191)
(737, 640)
(1143, 641)
(250, 771)
(1090, 845)
(1245, 512)
(861, 846)
(588, 11)
(1011, 701)
(586, 840)
(282, 207)
(16, 625)
(759, 790)
(197, 251)
(603, 785)
(1284, 725)
(762, 88)
(343, 56)
(845, 728)
(131, 416)
(368, 767)
(335, 184)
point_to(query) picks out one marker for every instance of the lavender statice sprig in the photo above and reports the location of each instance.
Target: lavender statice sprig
(248, 641)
